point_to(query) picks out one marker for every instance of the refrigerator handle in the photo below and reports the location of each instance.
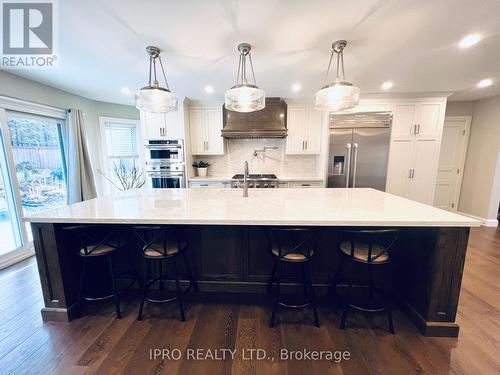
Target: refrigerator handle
(355, 164)
(348, 165)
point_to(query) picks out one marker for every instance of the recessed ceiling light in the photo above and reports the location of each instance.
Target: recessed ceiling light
(387, 85)
(296, 87)
(485, 83)
(125, 91)
(209, 89)
(469, 40)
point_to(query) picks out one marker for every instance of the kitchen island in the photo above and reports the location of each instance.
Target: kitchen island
(229, 249)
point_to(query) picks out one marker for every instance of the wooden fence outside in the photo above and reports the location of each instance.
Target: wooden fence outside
(39, 157)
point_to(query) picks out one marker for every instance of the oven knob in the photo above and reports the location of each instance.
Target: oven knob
(250, 185)
(266, 185)
(257, 185)
(273, 185)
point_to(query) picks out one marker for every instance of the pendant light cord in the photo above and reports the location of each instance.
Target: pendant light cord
(163, 71)
(251, 67)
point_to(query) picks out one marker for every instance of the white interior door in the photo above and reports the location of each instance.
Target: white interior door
(451, 162)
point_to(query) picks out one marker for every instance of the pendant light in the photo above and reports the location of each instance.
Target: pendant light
(244, 96)
(153, 97)
(339, 94)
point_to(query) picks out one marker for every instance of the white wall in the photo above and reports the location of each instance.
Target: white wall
(480, 193)
(24, 89)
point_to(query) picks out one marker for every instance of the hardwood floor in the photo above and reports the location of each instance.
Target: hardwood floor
(97, 343)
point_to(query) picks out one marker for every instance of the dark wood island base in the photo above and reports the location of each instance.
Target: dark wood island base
(428, 266)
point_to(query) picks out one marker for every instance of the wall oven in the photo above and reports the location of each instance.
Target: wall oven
(161, 151)
(166, 176)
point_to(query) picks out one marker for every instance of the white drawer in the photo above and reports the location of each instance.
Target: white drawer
(306, 184)
(214, 184)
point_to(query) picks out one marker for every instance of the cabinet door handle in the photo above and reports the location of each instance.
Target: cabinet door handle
(415, 129)
(418, 129)
(306, 145)
(306, 184)
(409, 173)
(413, 173)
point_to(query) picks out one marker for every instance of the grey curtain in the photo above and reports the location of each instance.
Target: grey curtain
(80, 179)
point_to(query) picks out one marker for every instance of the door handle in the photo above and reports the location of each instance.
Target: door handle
(409, 173)
(415, 129)
(303, 145)
(418, 129)
(355, 162)
(348, 165)
(306, 145)
(413, 173)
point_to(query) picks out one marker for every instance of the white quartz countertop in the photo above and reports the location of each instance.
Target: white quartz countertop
(323, 207)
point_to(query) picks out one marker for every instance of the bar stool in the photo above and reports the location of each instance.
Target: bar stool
(162, 244)
(97, 242)
(292, 246)
(370, 248)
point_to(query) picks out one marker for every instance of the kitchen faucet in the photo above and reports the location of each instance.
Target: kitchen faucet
(245, 179)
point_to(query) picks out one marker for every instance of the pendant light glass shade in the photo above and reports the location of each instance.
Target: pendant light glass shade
(153, 97)
(244, 96)
(338, 95)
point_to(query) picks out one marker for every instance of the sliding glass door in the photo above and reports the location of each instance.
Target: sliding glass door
(33, 175)
(38, 156)
(10, 229)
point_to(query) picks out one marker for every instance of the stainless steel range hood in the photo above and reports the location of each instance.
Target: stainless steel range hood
(269, 122)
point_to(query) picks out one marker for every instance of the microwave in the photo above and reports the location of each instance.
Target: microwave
(165, 150)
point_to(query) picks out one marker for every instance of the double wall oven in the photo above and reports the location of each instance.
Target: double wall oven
(165, 164)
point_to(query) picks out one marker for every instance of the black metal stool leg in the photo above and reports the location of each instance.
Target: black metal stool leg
(387, 301)
(144, 287)
(271, 280)
(348, 299)
(312, 298)
(82, 281)
(115, 290)
(160, 273)
(277, 300)
(192, 279)
(178, 288)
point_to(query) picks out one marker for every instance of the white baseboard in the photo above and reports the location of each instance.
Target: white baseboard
(484, 222)
(7, 260)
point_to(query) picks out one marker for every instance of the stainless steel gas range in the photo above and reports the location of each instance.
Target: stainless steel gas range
(260, 180)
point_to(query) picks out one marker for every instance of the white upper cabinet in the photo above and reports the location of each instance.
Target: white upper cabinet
(304, 124)
(205, 124)
(161, 125)
(404, 120)
(430, 122)
(418, 120)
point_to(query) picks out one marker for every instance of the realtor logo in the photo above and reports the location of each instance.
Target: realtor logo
(27, 34)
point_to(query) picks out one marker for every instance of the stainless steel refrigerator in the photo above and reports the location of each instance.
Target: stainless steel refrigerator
(359, 149)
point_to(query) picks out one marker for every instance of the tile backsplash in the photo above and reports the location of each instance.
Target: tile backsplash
(272, 161)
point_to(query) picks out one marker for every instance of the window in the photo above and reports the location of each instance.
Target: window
(120, 147)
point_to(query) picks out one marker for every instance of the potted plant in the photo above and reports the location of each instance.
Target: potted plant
(201, 168)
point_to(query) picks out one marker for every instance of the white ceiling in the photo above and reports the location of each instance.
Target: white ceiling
(412, 43)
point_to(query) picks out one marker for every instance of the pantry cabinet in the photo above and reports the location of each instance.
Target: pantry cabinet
(161, 125)
(304, 125)
(205, 126)
(414, 153)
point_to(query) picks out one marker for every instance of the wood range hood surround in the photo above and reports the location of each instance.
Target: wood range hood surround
(269, 122)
